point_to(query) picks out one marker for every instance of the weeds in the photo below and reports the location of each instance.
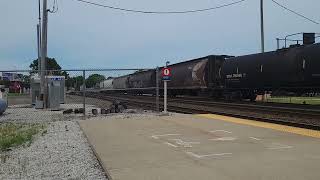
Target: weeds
(15, 134)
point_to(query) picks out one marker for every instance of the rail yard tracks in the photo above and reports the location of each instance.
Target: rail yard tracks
(291, 116)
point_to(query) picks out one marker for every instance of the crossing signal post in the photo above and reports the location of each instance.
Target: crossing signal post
(166, 76)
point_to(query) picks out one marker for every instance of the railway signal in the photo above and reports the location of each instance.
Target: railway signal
(166, 74)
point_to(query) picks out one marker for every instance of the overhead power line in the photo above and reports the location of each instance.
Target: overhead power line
(160, 12)
(294, 12)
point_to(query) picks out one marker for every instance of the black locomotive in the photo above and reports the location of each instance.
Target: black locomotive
(295, 69)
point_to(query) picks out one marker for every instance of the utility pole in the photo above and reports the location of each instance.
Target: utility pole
(262, 26)
(43, 88)
(39, 45)
(39, 39)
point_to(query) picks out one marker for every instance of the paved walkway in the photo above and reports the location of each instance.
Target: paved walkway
(183, 147)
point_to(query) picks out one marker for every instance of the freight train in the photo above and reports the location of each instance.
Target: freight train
(295, 69)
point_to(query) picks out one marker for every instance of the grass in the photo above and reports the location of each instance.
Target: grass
(13, 134)
(296, 100)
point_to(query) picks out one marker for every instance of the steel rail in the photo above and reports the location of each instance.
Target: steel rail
(200, 107)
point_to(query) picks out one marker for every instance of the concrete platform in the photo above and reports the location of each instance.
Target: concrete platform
(207, 147)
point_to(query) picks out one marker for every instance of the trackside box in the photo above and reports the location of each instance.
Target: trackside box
(57, 81)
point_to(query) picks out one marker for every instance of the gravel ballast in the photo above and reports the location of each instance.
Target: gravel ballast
(60, 152)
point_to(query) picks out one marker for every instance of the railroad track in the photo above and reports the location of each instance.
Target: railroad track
(298, 117)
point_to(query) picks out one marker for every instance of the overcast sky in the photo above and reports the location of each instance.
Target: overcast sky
(84, 36)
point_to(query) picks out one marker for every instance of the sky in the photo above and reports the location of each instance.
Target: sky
(85, 36)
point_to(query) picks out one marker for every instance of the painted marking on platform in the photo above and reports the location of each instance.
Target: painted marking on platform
(163, 135)
(224, 139)
(220, 131)
(210, 155)
(207, 155)
(170, 144)
(279, 146)
(284, 147)
(254, 138)
(193, 154)
(184, 143)
(278, 127)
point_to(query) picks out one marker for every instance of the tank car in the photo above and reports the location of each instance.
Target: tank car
(106, 84)
(295, 69)
(142, 82)
(121, 82)
(143, 79)
(196, 77)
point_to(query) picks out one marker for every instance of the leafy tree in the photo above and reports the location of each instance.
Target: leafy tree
(52, 64)
(93, 79)
(26, 81)
(75, 82)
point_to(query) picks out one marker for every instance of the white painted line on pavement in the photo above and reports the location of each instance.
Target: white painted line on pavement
(181, 142)
(169, 144)
(207, 155)
(210, 155)
(224, 139)
(279, 146)
(163, 135)
(284, 147)
(254, 138)
(193, 154)
(184, 143)
(213, 131)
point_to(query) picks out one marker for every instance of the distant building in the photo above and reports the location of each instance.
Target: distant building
(12, 77)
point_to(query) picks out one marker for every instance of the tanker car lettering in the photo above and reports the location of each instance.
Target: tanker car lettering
(237, 75)
(229, 76)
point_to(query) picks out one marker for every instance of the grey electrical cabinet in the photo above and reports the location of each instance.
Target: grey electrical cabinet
(56, 90)
(54, 94)
(35, 89)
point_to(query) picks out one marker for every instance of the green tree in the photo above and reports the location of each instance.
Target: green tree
(26, 81)
(52, 64)
(75, 82)
(93, 79)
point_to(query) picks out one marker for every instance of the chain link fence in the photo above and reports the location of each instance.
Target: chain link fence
(37, 142)
(81, 92)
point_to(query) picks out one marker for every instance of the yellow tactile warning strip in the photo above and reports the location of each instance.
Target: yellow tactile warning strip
(278, 127)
